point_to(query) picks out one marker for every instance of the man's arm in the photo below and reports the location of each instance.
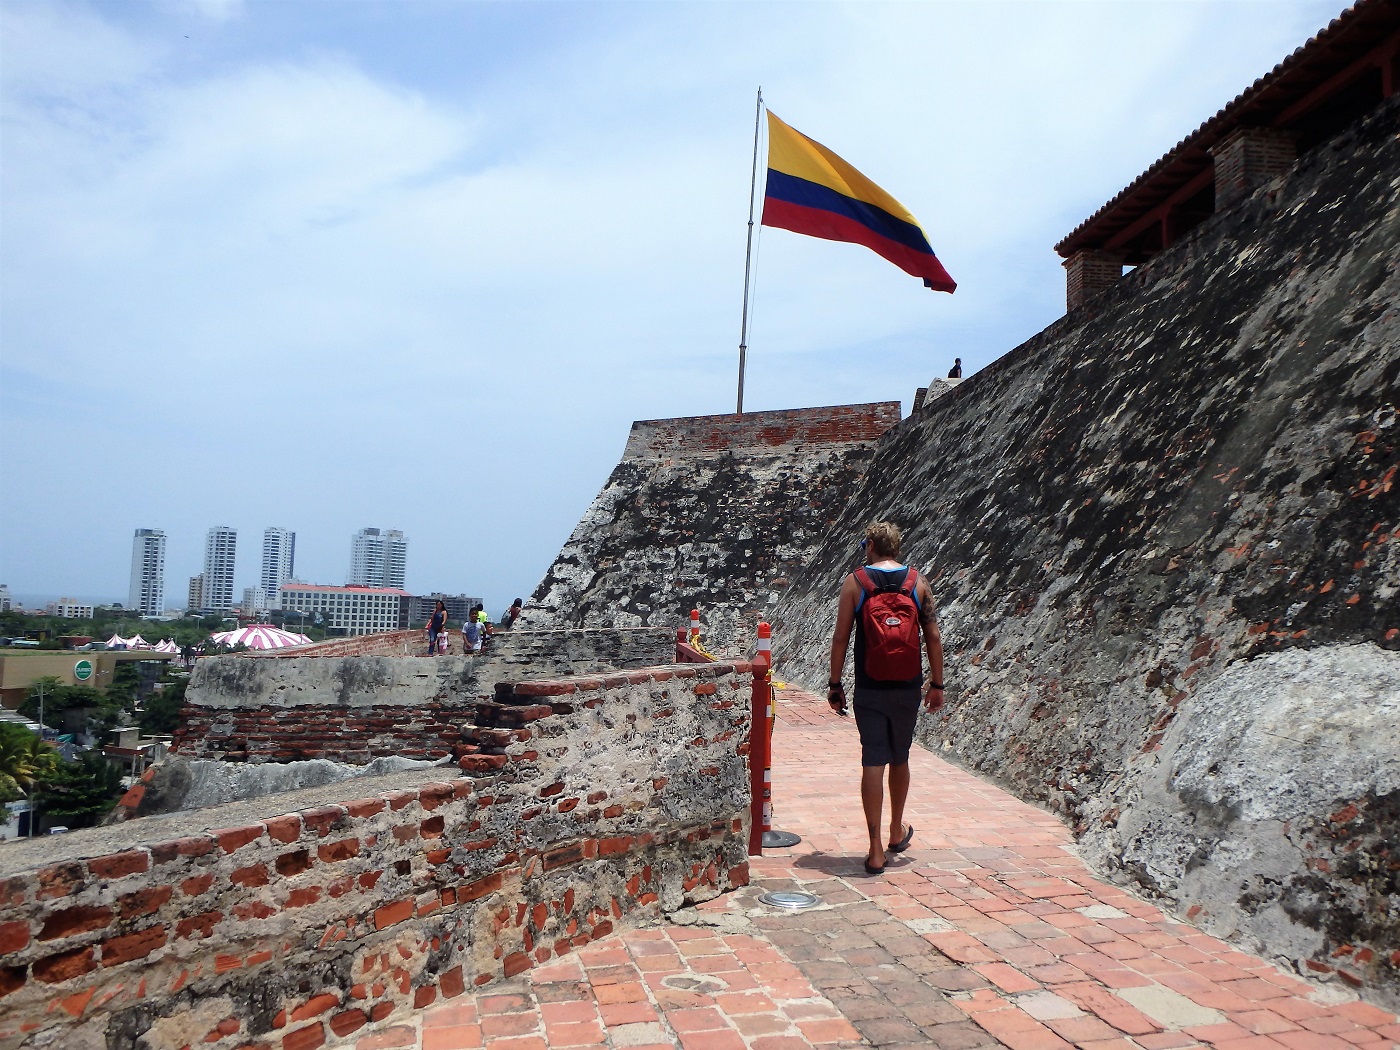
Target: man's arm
(845, 621)
(933, 642)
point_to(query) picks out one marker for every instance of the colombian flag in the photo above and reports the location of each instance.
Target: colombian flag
(813, 191)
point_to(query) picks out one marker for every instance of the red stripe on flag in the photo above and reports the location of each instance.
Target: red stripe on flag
(815, 222)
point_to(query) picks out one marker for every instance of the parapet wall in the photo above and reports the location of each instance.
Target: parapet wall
(836, 426)
(311, 917)
(386, 643)
(293, 707)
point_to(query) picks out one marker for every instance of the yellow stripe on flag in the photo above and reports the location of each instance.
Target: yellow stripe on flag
(793, 153)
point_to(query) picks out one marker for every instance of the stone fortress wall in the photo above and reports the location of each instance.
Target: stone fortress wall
(1162, 535)
(297, 919)
(710, 512)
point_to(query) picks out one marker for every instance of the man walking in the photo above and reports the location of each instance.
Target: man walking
(890, 606)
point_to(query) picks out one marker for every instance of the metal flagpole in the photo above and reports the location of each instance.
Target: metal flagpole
(748, 254)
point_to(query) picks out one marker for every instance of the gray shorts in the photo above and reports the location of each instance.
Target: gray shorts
(886, 720)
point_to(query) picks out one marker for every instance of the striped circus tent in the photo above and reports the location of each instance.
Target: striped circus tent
(167, 646)
(260, 636)
(117, 642)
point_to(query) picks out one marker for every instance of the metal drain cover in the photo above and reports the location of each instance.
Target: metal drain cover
(791, 899)
(780, 839)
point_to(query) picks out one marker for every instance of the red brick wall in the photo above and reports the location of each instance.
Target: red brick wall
(816, 427)
(390, 643)
(354, 735)
(1247, 158)
(314, 925)
(1088, 272)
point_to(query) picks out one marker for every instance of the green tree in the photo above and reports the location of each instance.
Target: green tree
(102, 712)
(126, 680)
(24, 759)
(161, 713)
(78, 794)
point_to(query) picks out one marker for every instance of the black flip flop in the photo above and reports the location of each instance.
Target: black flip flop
(902, 844)
(870, 869)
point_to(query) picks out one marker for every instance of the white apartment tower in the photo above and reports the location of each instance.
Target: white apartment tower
(146, 597)
(378, 558)
(220, 546)
(278, 563)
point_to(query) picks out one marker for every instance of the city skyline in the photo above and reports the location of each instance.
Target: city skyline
(378, 560)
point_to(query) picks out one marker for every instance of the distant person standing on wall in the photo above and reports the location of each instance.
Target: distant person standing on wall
(956, 371)
(436, 625)
(512, 614)
(890, 607)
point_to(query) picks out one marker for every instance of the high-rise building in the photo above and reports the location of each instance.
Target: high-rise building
(220, 547)
(196, 593)
(278, 561)
(146, 596)
(378, 558)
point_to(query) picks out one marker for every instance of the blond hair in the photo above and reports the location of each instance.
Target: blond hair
(883, 538)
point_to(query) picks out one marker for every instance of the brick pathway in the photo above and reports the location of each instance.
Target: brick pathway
(988, 932)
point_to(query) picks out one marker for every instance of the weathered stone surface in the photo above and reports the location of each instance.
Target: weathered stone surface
(1271, 811)
(357, 709)
(714, 513)
(247, 681)
(182, 783)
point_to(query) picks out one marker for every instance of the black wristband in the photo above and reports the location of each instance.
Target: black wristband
(834, 685)
(936, 685)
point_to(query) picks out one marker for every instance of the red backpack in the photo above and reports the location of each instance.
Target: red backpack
(891, 627)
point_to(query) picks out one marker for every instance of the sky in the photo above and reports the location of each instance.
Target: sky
(419, 264)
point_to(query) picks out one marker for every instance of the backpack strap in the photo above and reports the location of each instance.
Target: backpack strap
(866, 585)
(911, 587)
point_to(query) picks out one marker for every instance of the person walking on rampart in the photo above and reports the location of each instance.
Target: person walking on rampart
(436, 626)
(890, 606)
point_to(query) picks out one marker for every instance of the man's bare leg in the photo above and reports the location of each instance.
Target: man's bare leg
(899, 791)
(872, 800)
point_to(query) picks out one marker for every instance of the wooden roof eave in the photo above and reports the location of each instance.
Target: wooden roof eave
(1283, 94)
